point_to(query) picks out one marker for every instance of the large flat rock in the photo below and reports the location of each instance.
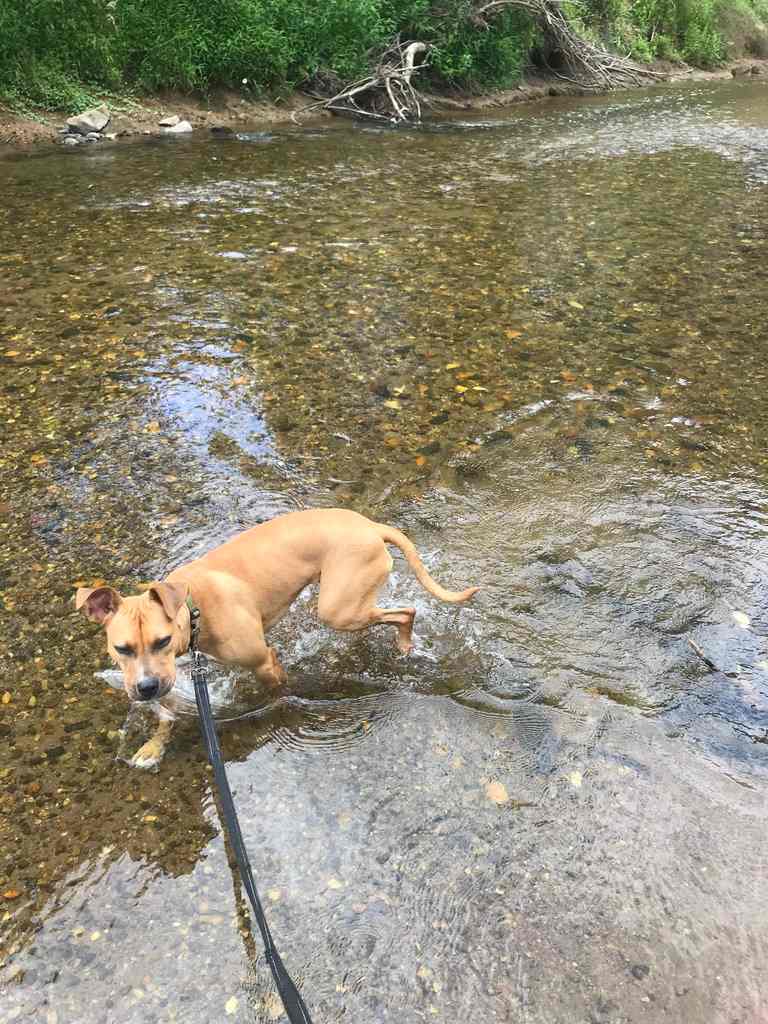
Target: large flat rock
(94, 120)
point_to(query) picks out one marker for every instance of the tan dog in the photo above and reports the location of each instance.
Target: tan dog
(245, 586)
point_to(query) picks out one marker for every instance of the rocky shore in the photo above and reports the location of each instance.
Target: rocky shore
(177, 114)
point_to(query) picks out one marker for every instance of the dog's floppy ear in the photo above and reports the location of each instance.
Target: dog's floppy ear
(97, 603)
(170, 595)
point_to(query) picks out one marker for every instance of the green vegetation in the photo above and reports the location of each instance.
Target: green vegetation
(60, 53)
(701, 32)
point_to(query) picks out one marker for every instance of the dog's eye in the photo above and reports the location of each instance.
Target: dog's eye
(161, 643)
(125, 649)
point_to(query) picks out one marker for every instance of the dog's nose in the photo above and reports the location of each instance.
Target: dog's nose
(147, 688)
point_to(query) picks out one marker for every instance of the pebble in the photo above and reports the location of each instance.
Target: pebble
(230, 1007)
(7, 697)
(273, 1006)
(497, 792)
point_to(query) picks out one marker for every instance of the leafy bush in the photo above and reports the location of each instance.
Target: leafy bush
(59, 53)
(191, 45)
(668, 29)
(51, 49)
(743, 27)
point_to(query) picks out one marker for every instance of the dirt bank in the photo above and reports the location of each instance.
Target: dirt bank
(140, 115)
(137, 116)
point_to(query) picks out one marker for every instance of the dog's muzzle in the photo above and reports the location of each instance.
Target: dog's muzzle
(148, 689)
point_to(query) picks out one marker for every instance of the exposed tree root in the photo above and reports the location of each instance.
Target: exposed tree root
(387, 94)
(591, 66)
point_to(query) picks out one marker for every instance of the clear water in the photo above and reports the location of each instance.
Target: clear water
(538, 345)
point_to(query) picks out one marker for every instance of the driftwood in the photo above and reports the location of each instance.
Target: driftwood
(386, 94)
(591, 66)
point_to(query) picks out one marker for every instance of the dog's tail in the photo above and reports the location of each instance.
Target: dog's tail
(390, 535)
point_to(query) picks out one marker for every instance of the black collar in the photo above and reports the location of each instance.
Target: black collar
(194, 624)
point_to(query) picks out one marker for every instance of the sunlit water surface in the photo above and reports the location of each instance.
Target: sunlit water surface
(538, 344)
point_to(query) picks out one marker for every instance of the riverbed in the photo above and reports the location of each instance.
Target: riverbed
(536, 342)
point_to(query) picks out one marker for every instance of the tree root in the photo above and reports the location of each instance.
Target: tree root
(591, 66)
(386, 94)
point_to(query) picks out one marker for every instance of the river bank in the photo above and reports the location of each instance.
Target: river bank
(225, 109)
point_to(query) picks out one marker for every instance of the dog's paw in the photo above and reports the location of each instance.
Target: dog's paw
(149, 756)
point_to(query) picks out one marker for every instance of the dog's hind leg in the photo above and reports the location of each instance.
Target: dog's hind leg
(348, 590)
(400, 617)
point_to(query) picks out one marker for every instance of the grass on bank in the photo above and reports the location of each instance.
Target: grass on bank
(61, 54)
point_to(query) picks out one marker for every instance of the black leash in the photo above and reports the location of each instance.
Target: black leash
(292, 1001)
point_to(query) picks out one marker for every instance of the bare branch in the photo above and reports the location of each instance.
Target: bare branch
(594, 67)
(387, 93)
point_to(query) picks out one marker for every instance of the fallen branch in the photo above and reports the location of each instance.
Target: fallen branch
(707, 661)
(386, 94)
(593, 66)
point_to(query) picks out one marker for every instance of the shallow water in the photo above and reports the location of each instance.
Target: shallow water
(536, 343)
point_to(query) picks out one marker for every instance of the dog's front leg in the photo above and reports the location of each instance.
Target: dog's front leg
(151, 753)
(269, 670)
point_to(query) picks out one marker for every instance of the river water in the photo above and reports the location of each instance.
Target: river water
(537, 343)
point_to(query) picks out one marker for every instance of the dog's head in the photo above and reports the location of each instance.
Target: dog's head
(144, 633)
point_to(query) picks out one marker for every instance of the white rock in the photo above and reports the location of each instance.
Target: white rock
(178, 129)
(169, 122)
(94, 120)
